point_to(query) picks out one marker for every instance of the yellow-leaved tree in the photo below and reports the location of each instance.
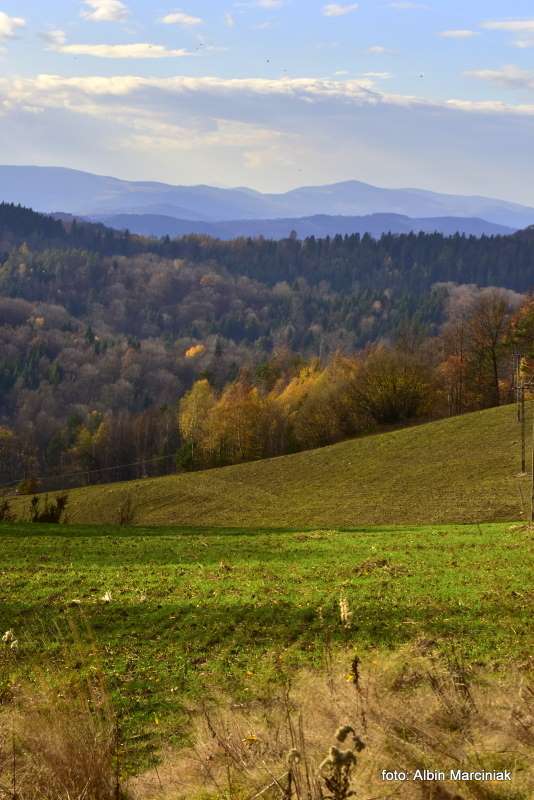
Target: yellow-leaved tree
(320, 404)
(241, 424)
(194, 419)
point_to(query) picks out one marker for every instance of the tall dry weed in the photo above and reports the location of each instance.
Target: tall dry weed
(414, 711)
(59, 738)
(60, 745)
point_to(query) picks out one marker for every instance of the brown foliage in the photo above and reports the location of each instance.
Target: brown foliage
(393, 386)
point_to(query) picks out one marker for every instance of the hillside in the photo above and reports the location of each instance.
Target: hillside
(102, 334)
(56, 189)
(461, 469)
(320, 225)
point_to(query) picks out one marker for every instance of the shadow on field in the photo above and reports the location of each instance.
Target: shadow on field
(26, 529)
(229, 628)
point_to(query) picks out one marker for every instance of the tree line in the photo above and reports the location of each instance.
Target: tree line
(288, 403)
(287, 406)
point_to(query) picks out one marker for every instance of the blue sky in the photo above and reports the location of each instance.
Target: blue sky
(274, 93)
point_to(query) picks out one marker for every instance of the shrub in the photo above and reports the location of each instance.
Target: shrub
(52, 511)
(393, 387)
(126, 511)
(6, 514)
(28, 486)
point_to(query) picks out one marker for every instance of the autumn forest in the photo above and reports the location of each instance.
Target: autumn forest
(122, 356)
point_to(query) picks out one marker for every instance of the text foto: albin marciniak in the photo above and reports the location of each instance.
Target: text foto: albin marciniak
(450, 775)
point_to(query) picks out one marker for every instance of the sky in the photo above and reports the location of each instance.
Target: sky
(274, 94)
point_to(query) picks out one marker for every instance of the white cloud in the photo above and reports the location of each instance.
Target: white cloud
(207, 129)
(514, 25)
(492, 107)
(458, 34)
(55, 37)
(105, 10)
(129, 84)
(269, 3)
(510, 76)
(521, 26)
(50, 90)
(141, 50)
(339, 9)
(181, 18)
(381, 76)
(229, 20)
(10, 25)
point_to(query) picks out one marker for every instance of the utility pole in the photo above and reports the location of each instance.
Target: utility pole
(521, 385)
(517, 383)
(523, 431)
(532, 480)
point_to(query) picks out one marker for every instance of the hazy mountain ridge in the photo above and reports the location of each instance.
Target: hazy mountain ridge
(319, 226)
(52, 189)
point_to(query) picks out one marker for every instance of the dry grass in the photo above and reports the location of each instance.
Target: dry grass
(412, 711)
(59, 744)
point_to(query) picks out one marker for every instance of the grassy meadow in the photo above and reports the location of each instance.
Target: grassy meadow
(232, 585)
(461, 469)
(196, 612)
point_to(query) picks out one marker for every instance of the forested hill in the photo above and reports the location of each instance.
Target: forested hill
(407, 262)
(413, 262)
(105, 331)
(18, 223)
(22, 225)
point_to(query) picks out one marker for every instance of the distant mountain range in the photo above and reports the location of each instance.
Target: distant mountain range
(55, 189)
(320, 225)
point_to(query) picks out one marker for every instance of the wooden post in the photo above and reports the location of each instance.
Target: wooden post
(532, 479)
(523, 431)
(517, 383)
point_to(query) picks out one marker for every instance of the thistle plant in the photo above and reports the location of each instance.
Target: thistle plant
(334, 776)
(337, 768)
(336, 772)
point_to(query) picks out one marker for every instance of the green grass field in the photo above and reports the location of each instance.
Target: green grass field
(461, 469)
(229, 582)
(234, 610)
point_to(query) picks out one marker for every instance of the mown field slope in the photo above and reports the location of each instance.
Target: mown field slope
(462, 469)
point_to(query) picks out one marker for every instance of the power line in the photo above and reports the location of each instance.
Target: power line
(92, 471)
